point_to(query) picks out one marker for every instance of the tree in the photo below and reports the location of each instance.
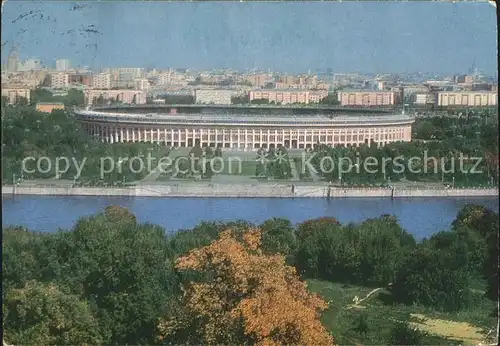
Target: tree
(434, 278)
(331, 99)
(484, 222)
(309, 227)
(278, 236)
(245, 99)
(101, 101)
(42, 314)
(124, 270)
(116, 213)
(218, 152)
(5, 101)
(21, 100)
(403, 334)
(361, 325)
(209, 153)
(21, 250)
(197, 152)
(381, 244)
(246, 297)
(75, 97)
(424, 130)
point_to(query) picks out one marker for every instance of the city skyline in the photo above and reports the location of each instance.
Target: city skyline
(377, 38)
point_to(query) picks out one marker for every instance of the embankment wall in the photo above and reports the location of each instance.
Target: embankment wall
(234, 190)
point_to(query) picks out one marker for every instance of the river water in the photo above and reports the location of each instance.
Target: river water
(419, 216)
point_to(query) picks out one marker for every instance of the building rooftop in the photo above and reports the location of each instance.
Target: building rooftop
(254, 106)
(244, 119)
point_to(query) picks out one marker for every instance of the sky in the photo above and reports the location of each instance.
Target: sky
(371, 37)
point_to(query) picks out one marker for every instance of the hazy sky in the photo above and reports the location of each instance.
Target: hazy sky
(347, 36)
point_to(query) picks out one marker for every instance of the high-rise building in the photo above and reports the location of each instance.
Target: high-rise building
(59, 80)
(13, 60)
(62, 64)
(101, 81)
(141, 84)
(30, 65)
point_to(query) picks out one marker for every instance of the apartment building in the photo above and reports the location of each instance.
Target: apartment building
(14, 94)
(141, 84)
(258, 80)
(315, 96)
(127, 96)
(288, 96)
(101, 81)
(80, 79)
(62, 64)
(134, 72)
(368, 98)
(59, 80)
(424, 98)
(24, 80)
(467, 98)
(171, 78)
(215, 96)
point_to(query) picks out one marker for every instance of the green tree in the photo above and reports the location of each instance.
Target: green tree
(218, 152)
(278, 236)
(403, 334)
(331, 99)
(245, 99)
(21, 250)
(361, 325)
(42, 314)
(123, 269)
(433, 278)
(75, 97)
(485, 223)
(209, 153)
(197, 152)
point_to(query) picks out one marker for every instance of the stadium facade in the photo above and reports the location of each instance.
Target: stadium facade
(246, 128)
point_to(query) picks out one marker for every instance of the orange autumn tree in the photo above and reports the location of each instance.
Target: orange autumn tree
(244, 297)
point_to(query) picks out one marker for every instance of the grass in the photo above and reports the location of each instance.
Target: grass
(234, 167)
(229, 167)
(467, 327)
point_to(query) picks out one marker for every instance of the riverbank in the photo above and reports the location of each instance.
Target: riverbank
(246, 191)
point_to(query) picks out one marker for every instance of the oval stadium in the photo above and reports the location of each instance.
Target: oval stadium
(245, 128)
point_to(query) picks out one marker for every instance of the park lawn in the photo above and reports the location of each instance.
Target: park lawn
(229, 167)
(248, 167)
(466, 327)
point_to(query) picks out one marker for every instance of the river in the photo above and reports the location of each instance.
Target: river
(419, 216)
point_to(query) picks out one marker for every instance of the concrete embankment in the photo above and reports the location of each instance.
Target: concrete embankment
(255, 190)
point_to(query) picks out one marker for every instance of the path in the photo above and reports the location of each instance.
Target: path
(358, 301)
(313, 174)
(155, 173)
(293, 168)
